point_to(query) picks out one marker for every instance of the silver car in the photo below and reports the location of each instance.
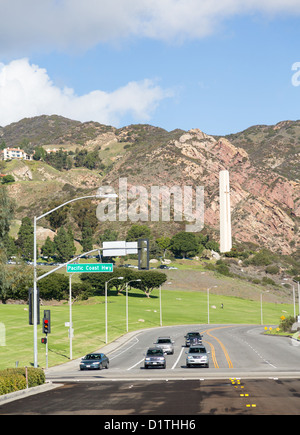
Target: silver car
(166, 344)
(197, 355)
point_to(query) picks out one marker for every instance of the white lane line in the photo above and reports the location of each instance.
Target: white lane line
(125, 350)
(175, 364)
(135, 364)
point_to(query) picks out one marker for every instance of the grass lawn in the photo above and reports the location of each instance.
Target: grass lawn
(178, 307)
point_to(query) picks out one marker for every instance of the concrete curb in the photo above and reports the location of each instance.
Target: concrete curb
(6, 398)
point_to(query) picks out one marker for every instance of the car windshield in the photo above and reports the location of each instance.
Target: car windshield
(157, 352)
(92, 356)
(164, 340)
(193, 334)
(197, 350)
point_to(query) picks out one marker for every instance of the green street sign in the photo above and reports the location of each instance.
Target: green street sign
(90, 268)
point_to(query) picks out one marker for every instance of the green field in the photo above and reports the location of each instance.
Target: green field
(178, 307)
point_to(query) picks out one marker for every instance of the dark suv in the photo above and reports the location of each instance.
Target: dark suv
(155, 358)
(192, 338)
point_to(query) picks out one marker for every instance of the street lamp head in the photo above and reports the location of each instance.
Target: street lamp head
(120, 277)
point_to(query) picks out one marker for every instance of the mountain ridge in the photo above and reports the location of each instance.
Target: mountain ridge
(265, 201)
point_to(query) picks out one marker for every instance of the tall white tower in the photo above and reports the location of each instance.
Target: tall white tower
(225, 215)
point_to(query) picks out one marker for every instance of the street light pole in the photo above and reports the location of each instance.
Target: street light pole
(208, 302)
(160, 307)
(298, 287)
(70, 318)
(36, 218)
(35, 313)
(106, 282)
(208, 306)
(133, 280)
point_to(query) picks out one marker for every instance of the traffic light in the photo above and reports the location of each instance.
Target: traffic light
(44, 340)
(143, 251)
(46, 322)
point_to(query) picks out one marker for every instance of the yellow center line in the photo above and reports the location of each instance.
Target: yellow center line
(213, 354)
(221, 344)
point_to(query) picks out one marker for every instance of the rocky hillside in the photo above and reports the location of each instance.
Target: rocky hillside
(263, 163)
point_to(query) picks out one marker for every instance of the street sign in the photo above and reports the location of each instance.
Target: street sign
(90, 268)
(119, 248)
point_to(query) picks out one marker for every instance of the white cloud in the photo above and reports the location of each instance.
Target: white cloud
(77, 24)
(26, 91)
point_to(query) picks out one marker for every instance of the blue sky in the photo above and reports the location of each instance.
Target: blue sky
(170, 63)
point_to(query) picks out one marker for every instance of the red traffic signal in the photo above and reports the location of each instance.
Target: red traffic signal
(46, 322)
(44, 340)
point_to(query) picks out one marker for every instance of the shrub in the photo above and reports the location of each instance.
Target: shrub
(272, 269)
(287, 323)
(223, 269)
(15, 379)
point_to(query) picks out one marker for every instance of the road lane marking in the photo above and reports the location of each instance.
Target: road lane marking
(125, 350)
(175, 364)
(213, 354)
(132, 367)
(230, 365)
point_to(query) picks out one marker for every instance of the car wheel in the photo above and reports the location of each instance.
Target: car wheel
(107, 365)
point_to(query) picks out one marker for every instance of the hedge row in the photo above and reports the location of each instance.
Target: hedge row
(15, 379)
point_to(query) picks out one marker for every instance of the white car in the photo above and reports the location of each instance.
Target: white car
(197, 355)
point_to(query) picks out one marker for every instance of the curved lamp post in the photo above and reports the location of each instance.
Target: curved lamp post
(36, 219)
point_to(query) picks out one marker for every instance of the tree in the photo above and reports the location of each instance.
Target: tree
(149, 281)
(83, 212)
(54, 286)
(57, 218)
(25, 239)
(6, 213)
(163, 243)
(97, 281)
(39, 154)
(64, 245)
(7, 179)
(184, 244)
(137, 232)
(48, 248)
(87, 237)
(90, 160)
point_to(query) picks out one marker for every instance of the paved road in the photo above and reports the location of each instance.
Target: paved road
(249, 373)
(235, 351)
(166, 399)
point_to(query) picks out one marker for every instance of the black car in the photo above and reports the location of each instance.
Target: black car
(94, 361)
(192, 338)
(155, 358)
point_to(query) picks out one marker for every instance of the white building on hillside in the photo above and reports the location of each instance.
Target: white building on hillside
(14, 153)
